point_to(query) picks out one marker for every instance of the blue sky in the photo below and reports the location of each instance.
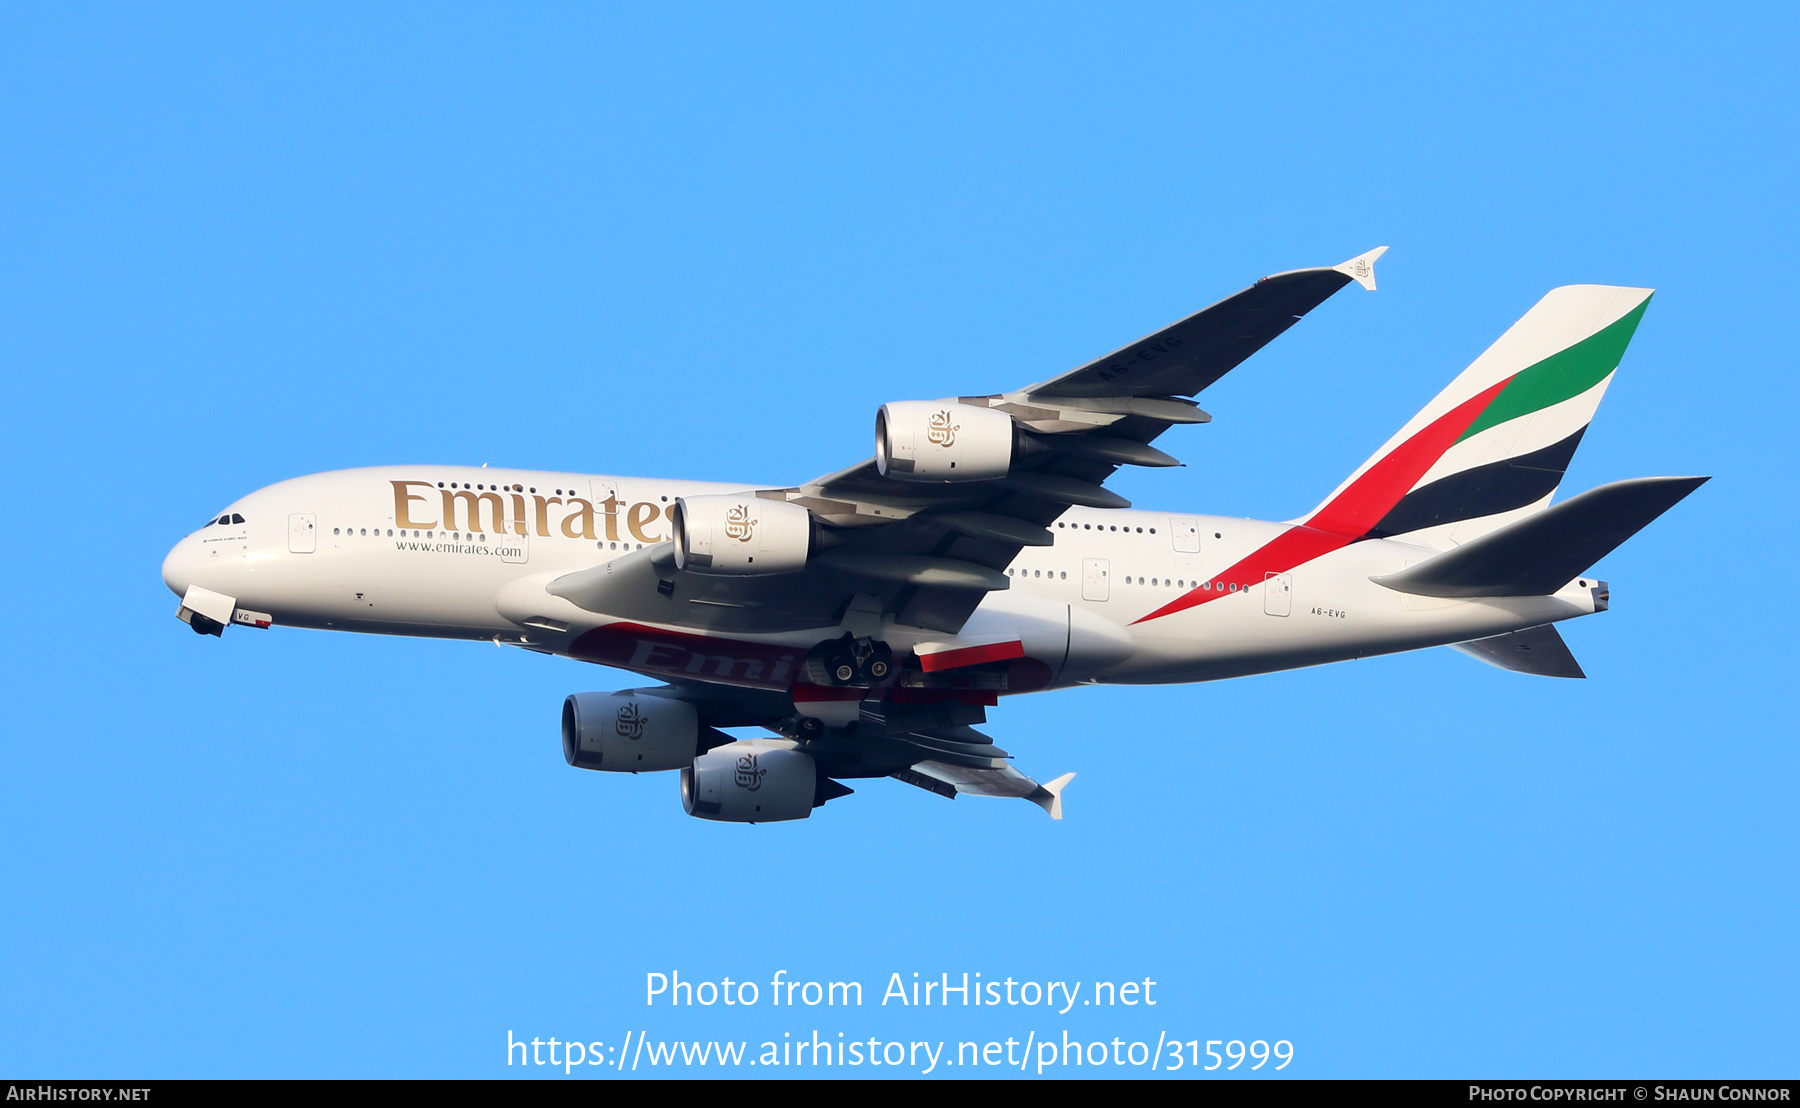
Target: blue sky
(237, 246)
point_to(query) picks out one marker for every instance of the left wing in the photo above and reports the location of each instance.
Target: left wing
(1074, 431)
(1183, 358)
(926, 553)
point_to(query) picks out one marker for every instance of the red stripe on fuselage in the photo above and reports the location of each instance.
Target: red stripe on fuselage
(1348, 515)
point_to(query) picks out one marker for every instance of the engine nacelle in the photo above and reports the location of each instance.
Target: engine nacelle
(740, 535)
(923, 440)
(628, 732)
(755, 781)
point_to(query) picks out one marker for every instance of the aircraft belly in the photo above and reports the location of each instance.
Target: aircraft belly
(1236, 637)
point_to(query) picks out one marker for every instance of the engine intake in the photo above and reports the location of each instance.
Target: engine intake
(755, 781)
(741, 535)
(923, 440)
(628, 732)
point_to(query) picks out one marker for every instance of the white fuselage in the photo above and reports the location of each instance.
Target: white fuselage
(395, 550)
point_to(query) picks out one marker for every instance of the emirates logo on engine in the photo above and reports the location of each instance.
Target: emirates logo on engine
(738, 524)
(941, 431)
(630, 721)
(749, 776)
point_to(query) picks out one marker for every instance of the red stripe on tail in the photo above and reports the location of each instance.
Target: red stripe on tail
(1348, 515)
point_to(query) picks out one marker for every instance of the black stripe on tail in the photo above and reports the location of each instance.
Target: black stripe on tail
(1481, 491)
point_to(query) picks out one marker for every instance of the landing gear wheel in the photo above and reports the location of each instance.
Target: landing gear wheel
(851, 662)
(874, 659)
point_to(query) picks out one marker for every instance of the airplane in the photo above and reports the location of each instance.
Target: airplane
(865, 621)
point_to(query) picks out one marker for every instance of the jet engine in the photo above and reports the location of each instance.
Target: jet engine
(755, 781)
(741, 535)
(628, 732)
(922, 440)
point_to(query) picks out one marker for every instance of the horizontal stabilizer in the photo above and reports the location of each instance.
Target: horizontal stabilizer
(1536, 650)
(1543, 552)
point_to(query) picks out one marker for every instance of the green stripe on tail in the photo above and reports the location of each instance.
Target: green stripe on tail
(1564, 374)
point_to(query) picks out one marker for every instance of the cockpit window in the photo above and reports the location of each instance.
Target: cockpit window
(235, 518)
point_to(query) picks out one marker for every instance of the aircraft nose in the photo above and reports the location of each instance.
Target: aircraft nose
(178, 567)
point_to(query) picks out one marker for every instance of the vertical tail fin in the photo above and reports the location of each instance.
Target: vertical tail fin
(1494, 444)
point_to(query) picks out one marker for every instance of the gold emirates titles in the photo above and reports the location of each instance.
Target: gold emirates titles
(578, 523)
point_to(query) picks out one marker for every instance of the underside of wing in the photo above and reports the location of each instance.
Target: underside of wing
(1066, 436)
(1185, 357)
(923, 531)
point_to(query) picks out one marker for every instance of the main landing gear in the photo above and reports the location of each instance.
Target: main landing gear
(850, 661)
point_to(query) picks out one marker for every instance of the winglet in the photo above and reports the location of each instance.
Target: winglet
(1048, 796)
(1361, 268)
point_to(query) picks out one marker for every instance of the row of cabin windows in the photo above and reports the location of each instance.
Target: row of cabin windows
(1181, 583)
(559, 492)
(1103, 527)
(1115, 527)
(352, 532)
